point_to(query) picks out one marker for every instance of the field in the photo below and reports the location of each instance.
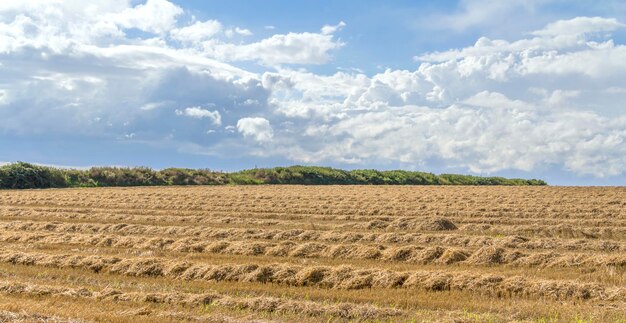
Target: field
(314, 253)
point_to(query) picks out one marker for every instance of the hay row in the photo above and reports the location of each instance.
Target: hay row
(404, 223)
(444, 201)
(358, 212)
(561, 230)
(398, 226)
(206, 233)
(139, 219)
(505, 220)
(258, 304)
(342, 277)
(8, 316)
(410, 254)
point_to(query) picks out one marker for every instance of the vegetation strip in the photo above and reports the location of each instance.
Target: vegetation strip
(24, 175)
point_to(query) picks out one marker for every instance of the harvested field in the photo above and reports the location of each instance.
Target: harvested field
(313, 253)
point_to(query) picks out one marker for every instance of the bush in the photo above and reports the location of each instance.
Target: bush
(79, 178)
(186, 176)
(454, 179)
(121, 176)
(25, 175)
(243, 179)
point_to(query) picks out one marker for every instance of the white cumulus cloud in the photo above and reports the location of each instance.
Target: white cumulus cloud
(199, 31)
(257, 128)
(498, 105)
(291, 48)
(156, 16)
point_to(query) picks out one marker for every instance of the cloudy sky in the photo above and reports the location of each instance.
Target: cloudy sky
(487, 87)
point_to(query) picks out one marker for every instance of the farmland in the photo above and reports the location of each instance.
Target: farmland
(314, 253)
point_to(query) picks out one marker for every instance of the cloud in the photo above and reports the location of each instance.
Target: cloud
(77, 27)
(199, 113)
(4, 97)
(481, 140)
(199, 31)
(571, 53)
(329, 29)
(257, 128)
(490, 107)
(243, 31)
(156, 16)
(495, 100)
(238, 31)
(152, 105)
(579, 25)
(291, 48)
(94, 84)
(480, 13)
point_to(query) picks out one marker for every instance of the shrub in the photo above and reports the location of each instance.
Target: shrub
(186, 176)
(121, 176)
(25, 175)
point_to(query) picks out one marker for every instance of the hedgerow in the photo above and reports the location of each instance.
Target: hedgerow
(22, 175)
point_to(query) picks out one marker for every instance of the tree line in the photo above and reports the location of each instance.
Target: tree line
(21, 175)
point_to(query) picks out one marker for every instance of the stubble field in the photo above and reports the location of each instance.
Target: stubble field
(314, 253)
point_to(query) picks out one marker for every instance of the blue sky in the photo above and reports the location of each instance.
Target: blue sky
(513, 88)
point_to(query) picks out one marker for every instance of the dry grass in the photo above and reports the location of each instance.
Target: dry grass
(500, 252)
(297, 253)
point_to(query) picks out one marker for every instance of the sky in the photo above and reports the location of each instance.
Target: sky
(531, 89)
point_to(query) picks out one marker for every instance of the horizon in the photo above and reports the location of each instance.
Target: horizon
(515, 89)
